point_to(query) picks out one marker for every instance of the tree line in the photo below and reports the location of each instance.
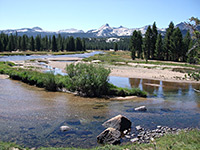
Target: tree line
(14, 42)
(171, 47)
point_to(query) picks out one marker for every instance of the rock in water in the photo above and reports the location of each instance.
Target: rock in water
(109, 136)
(134, 140)
(119, 122)
(64, 128)
(141, 108)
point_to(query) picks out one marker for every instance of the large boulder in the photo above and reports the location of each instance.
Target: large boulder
(119, 123)
(109, 136)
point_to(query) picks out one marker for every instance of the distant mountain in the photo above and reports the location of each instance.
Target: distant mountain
(103, 31)
(72, 30)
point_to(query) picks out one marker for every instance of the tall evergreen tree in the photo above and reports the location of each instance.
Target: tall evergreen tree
(19, 43)
(147, 43)
(83, 43)
(78, 46)
(5, 41)
(38, 42)
(1, 46)
(154, 38)
(71, 44)
(59, 42)
(176, 44)
(136, 44)
(11, 44)
(24, 42)
(54, 44)
(46, 43)
(133, 44)
(186, 45)
(50, 44)
(116, 46)
(32, 44)
(168, 41)
(159, 48)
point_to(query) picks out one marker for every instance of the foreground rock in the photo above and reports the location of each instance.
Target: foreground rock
(141, 108)
(119, 123)
(109, 136)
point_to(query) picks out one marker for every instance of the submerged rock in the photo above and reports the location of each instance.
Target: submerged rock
(119, 122)
(109, 136)
(64, 128)
(141, 108)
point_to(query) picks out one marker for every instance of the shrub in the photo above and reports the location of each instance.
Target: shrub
(50, 82)
(88, 79)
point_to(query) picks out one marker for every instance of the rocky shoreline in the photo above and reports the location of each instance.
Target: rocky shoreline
(119, 127)
(146, 135)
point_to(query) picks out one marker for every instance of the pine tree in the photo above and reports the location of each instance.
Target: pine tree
(154, 38)
(32, 44)
(168, 41)
(38, 42)
(24, 42)
(71, 44)
(133, 44)
(5, 41)
(59, 42)
(54, 44)
(116, 46)
(46, 43)
(176, 44)
(159, 48)
(136, 44)
(83, 43)
(186, 44)
(147, 43)
(78, 46)
(19, 45)
(50, 44)
(1, 46)
(139, 44)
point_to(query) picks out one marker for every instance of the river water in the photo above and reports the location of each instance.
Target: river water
(32, 117)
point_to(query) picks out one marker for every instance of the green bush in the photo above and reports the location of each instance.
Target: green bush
(88, 79)
(50, 82)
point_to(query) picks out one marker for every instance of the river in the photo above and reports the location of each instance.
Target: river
(32, 117)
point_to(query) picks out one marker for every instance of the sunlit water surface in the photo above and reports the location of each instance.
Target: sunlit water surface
(32, 117)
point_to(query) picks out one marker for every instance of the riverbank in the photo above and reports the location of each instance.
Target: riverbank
(142, 71)
(122, 65)
(182, 140)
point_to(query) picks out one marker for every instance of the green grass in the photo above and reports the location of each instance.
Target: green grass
(183, 141)
(113, 58)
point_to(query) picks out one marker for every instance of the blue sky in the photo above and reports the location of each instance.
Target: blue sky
(53, 15)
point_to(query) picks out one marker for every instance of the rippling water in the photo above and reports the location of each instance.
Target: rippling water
(32, 117)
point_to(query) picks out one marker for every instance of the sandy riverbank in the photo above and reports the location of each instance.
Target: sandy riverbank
(145, 71)
(132, 70)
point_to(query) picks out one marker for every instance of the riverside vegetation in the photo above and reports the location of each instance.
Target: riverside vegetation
(184, 140)
(87, 79)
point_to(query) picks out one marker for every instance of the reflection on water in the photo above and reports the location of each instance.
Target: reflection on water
(32, 117)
